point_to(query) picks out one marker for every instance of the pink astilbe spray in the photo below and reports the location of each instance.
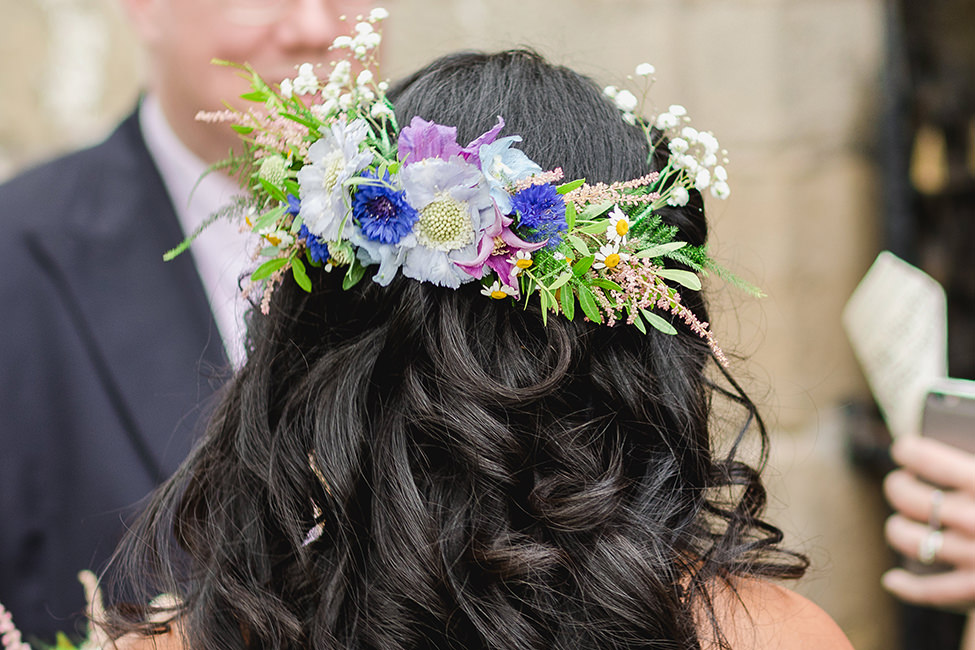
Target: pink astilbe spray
(272, 132)
(616, 192)
(644, 289)
(10, 636)
(544, 178)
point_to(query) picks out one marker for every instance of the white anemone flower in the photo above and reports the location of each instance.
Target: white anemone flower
(618, 227)
(333, 159)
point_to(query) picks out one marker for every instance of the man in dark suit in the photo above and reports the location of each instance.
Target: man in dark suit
(110, 354)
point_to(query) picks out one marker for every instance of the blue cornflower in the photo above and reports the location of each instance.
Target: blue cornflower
(294, 205)
(541, 213)
(317, 249)
(382, 212)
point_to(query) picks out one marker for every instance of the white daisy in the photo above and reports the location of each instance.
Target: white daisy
(609, 257)
(498, 291)
(618, 227)
(521, 261)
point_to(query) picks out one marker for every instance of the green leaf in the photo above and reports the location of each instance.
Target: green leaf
(594, 228)
(64, 643)
(256, 96)
(565, 188)
(639, 324)
(685, 278)
(562, 279)
(301, 276)
(595, 210)
(588, 303)
(583, 265)
(579, 244)
(657, 322)
(311, 124)
(266, 269)
(241, 129)
(660, 249)
(353, 275)
(570, 215)
(568, 299)
(268, 219)
(545, 298)
(273, 190)
(603, 283)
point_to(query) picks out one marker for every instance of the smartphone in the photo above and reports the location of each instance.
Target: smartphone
(949, 417)
(949, 413)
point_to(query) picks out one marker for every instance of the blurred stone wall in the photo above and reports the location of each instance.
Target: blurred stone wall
(789, 87)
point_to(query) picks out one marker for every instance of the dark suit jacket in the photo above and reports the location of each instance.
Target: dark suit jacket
(107, 355)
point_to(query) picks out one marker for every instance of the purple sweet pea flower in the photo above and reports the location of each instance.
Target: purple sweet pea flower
(422, 139)
(496, 250)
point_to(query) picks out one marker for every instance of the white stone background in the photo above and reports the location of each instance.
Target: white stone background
(790, 87)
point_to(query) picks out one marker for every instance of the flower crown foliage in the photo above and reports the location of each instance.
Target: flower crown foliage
(334, 181)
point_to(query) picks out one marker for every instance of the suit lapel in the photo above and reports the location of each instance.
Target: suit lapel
(146, 324)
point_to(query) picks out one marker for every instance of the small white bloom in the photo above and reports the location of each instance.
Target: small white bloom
(609, 257)
(498, 290)
(378, 14)
(720, 190)
(364, 78)
(360, 52)
(610, 91)
(678, 196)
(325, 109)
(306, 83)
(690, 134)
(629, 118)
(666, 121)
(709, 160)
(371, 41)
(380, 110)
(678, 145)
(677, 110)
(558, 256)
(346, 101)
(341, 72)
(720, 173)
(645, 70)
(626, 101)
(522, 260)
(618, 226)
(367, 95)
(341, 42)
(702, 180)
(686, 162)
(710, 143)
(363, 28)
(287, 90)
(331, 90)
(383, 86)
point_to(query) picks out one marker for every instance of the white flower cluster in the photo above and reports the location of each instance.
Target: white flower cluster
(340, 92)
(695, 154)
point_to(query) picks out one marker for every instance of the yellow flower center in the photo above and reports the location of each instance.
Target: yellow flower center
(498, 294)
(612, 260)
(445, 224)
(523, 262)
(333, 164)
(622, 227)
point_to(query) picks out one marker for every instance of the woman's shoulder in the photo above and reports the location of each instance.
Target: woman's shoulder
(758, 614)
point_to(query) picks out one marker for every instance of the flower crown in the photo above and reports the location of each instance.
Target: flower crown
(333, 181)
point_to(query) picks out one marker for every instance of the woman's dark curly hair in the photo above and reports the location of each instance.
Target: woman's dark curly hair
(487, 481)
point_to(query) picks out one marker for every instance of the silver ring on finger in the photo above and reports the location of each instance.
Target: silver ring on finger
(930, 545)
